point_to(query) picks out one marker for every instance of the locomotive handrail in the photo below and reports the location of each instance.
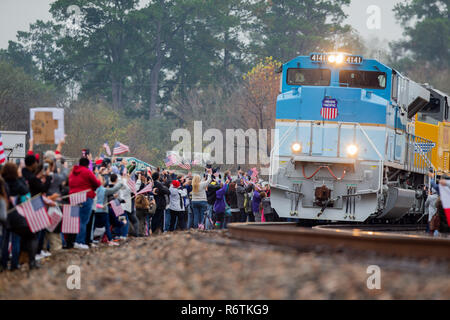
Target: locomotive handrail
(417, 159)
(371, 142)
(277, 145)
(380, 182)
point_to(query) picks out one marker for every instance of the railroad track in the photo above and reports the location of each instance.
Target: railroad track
(359, 238)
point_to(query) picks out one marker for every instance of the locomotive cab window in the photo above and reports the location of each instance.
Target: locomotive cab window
(308, 77)
(362, 79)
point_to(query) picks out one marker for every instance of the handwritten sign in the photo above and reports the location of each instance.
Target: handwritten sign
(47, 125)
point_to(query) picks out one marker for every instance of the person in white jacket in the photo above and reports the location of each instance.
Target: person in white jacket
(176, 205)
(125, 194)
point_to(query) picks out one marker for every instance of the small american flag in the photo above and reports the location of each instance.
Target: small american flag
(108, 150)
(184, 165)
(329, 109)
(131, 183)
(2, 151)
(170, 160)
(147, 188)
(120, 148)
(71, 219)
(117, 208)
(78, 198)
(35, 213)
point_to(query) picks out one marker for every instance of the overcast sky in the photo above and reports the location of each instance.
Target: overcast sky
(16, 15)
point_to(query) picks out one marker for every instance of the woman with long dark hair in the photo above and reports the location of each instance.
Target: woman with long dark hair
(17, 230)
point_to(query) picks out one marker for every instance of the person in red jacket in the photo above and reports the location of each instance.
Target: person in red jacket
(81, 179)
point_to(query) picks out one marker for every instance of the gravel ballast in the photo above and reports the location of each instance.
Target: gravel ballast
(210, 265)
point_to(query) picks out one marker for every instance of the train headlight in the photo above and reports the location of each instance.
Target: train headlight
(352, 150)
(339, 58)
(296, 147)
(332, 58)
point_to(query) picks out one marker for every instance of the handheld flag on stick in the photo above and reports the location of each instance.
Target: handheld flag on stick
(35, 213)
(78, 198)
(131, 183)
(148, 188)
(71, 219)
(108, 150)
(117, 208)
(120, 148)
(170, 160)
(55, 217)
(184, 165)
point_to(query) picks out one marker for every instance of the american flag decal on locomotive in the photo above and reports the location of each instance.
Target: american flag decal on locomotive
(329, 109)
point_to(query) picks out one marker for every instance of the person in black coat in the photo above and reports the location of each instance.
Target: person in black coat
(231, 198)
(160, 192)
(32, 174)
(17, 227)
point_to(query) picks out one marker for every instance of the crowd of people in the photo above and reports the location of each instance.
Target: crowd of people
(150, 201)
(157, 201)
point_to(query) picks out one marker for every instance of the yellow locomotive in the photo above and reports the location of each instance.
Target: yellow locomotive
(432, 123)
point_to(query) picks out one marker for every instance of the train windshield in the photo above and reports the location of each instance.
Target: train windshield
(362, 79)
(308, 77)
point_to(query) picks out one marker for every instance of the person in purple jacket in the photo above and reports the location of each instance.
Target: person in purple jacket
(219, 206)
(255, 204)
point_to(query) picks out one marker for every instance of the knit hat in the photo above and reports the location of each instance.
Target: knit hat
(176, 183)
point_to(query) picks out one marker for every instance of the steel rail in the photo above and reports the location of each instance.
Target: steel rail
(288, 234)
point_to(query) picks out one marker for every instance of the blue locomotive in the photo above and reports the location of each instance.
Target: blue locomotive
(345, 148)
